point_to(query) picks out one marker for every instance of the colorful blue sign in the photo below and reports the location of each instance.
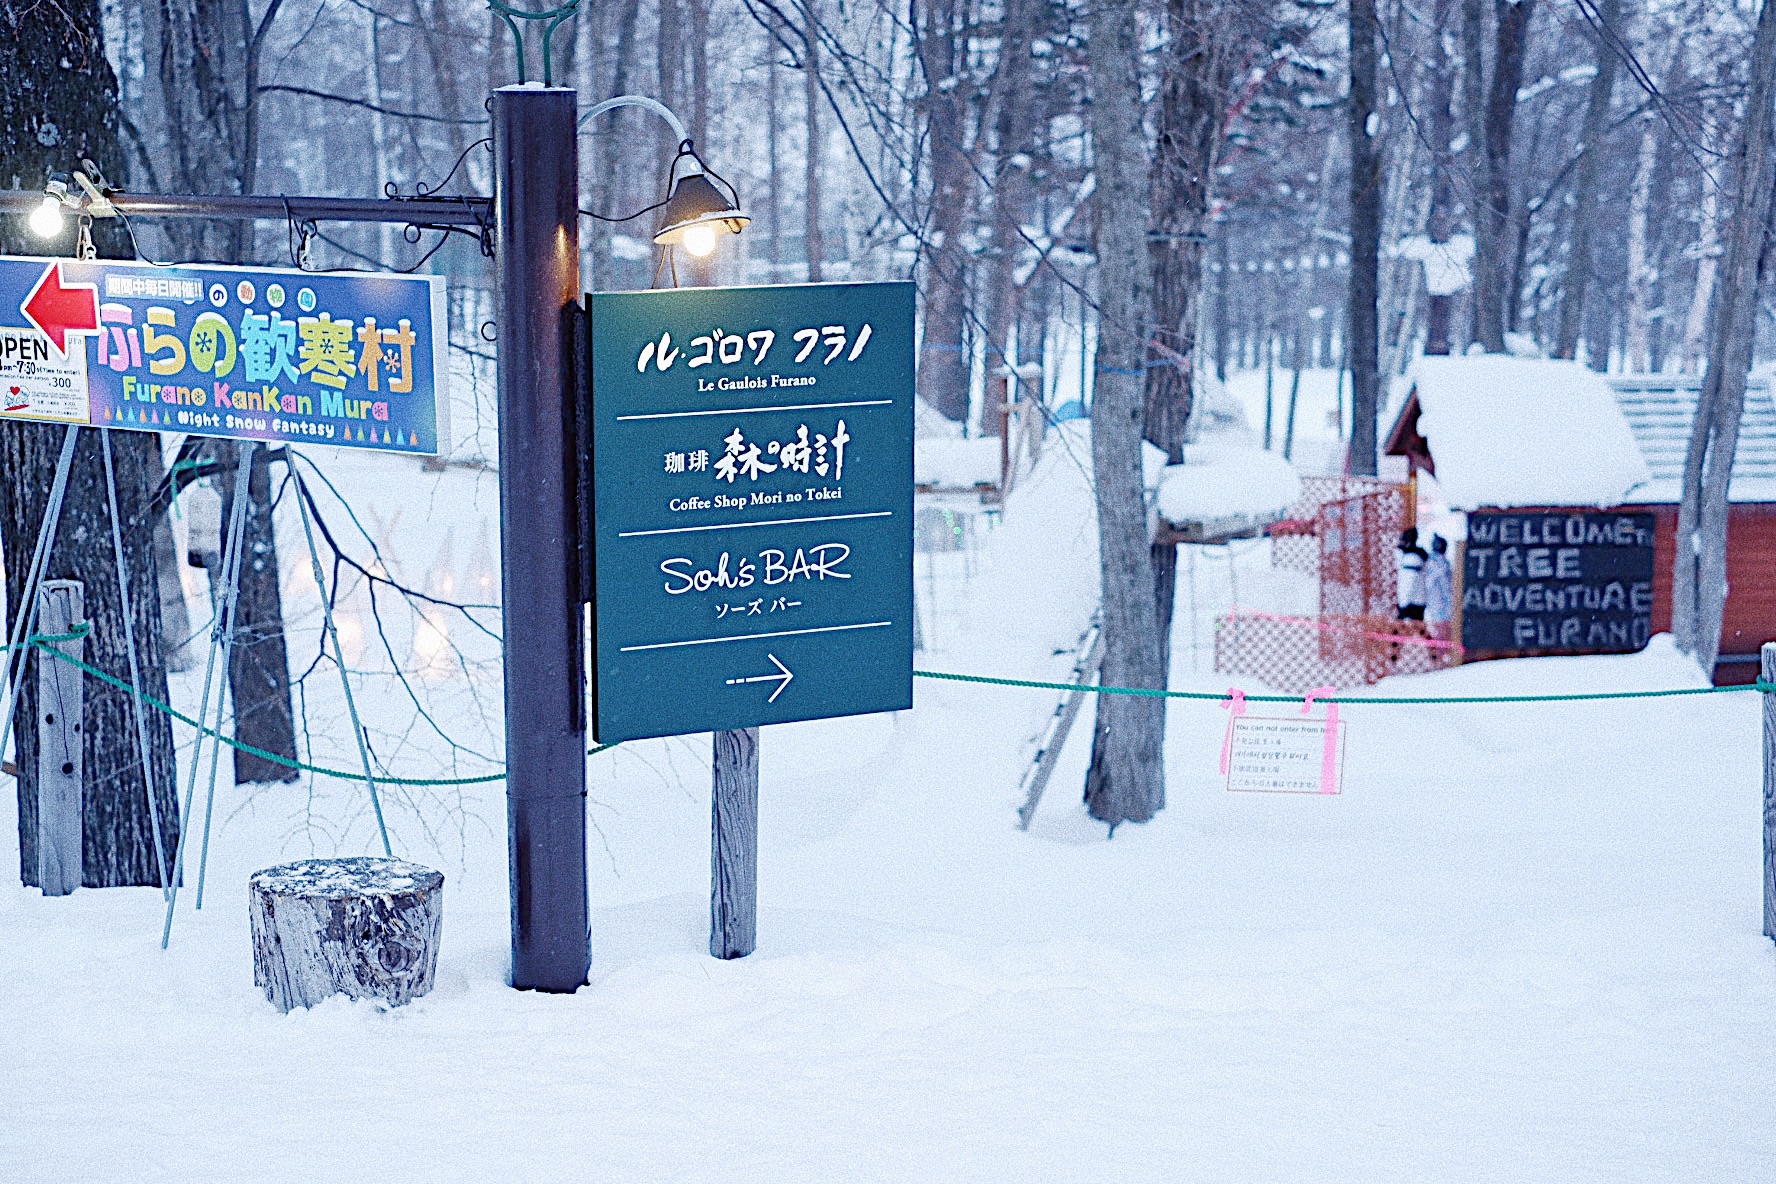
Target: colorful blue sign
(752, 456)
(249, 353)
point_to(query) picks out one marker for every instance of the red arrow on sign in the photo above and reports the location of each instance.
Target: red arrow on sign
(58, 309)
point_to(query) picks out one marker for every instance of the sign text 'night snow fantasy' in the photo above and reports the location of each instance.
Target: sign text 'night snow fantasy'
(247, 353)
(1560, 581)
(752, 462)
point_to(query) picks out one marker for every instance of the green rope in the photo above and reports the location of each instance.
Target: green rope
(1222, 696)
(46, 643)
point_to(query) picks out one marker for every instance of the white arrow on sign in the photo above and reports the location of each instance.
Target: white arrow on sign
(781, 678)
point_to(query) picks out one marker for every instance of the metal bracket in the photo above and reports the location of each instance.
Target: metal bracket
(554, 16)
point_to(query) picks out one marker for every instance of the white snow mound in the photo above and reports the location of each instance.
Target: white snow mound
(1221, 480)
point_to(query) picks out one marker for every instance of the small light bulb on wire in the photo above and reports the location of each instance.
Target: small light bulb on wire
(700, 240)
(47, 220)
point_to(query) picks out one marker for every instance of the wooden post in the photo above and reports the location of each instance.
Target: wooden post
(1767, 672)
(61, 604)
(999, 390)
(1460, 591)
(733, 845)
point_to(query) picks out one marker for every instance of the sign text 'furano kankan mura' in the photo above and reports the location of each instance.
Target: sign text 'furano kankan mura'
(259, 353)
(752, 487)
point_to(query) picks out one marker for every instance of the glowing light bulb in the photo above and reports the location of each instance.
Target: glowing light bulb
(699, 240)
(47, 220)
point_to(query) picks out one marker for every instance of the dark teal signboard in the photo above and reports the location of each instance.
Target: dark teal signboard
(250, 353)
(752, 453)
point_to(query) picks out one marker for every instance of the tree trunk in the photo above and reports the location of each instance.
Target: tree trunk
(1493, 240)
(1126, 781)
(258, 666)
(812, 240)
(943, 354)
(366, 928)
(1014, 130)
(1640, 270)
(1194, 86)
(53, 55)
(1699, 575)
(1708, 251)
(1192, 101)
(773, 128)
(1362, 322)
(195, 118)
(1585, 206)
(1440, 219)
(207, 53)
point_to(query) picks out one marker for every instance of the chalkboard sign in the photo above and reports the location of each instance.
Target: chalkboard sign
(1558, 581)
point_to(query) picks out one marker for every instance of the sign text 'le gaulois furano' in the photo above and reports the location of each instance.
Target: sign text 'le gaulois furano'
(752, 486)
(249, 353)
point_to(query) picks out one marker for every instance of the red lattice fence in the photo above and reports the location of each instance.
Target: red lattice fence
(1296, 543)
(1297, 654)
(1344, 530)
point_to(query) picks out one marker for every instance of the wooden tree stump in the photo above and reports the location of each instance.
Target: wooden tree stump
(357, 926)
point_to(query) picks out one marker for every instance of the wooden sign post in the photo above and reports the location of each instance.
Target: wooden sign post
(61, 605)
(751, 533)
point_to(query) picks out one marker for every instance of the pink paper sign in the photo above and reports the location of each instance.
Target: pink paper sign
(1284, 754)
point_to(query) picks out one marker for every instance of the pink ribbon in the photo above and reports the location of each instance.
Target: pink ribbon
(1236, 707)
(1329, 755)
(1325, 627)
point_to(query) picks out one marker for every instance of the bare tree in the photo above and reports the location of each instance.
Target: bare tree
(940, 44)
(1126, 781)
(204, 106)
(1362, 321)
(1699, 572)
(1493, 293)
(1585, 186)
(813, 239)
(59, 107)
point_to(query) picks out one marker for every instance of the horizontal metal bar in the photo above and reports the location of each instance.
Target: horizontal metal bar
(435, 211)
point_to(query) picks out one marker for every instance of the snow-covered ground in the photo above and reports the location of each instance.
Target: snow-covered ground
(1522, 945)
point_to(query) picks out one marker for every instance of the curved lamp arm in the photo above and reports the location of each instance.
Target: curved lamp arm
(654, 105)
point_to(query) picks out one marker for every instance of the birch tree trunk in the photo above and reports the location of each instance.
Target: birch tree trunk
(1638, 346)
(59, 106)
(1362, 327)
(1699, 575)
(1126, 781)
(1585, 211)
(1708, 253)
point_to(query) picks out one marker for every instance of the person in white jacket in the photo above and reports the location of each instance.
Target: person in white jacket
(1439, 585)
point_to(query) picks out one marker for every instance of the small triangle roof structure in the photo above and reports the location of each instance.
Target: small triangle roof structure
(1501, 431)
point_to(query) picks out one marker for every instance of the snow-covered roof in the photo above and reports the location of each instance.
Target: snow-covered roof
(1506, 431)
(1659, 409)
(1224, 480)
(956, 463)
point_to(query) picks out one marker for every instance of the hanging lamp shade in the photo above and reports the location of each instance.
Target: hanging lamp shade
(696, 202)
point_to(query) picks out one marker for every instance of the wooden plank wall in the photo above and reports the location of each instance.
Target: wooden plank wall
(1751, 582)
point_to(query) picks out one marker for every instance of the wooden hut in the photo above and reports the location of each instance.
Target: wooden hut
(1590, 467)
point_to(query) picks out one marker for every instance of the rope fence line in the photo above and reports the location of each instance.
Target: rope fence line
(1388, 700)
(47, 642)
